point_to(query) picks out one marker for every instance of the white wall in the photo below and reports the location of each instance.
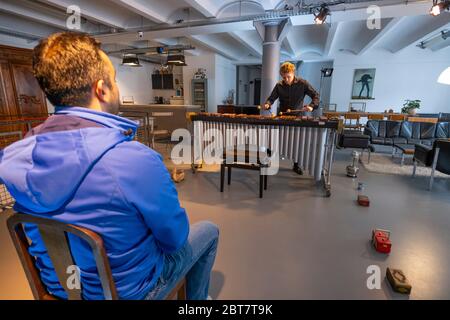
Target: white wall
(225, 80)
(134, 81)
(221, 74)
(409, 74)
(311, 71)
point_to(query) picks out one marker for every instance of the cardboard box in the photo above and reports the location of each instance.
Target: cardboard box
(398, 281)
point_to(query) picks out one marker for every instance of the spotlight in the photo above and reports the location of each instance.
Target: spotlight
(438, 8)
(327, 72)
(322, 15)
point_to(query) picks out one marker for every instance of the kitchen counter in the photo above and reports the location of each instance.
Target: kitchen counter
(166, 116)
(160, 105)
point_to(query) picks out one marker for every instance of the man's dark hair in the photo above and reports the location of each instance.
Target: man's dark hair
(67, 65)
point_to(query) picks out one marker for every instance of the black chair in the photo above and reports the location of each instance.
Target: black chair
(355, 140)
(246, 157)
(436, 157)
(444, 117)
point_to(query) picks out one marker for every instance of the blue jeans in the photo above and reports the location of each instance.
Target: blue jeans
(194, 261)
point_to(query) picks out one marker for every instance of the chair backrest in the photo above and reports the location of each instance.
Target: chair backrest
(330, 107)
(444, 116)
(6, 200)
(352, 116)
(443, 162)
(420, 119)
(375, 116)
(54, 235)
(358, 106)
(397, 117)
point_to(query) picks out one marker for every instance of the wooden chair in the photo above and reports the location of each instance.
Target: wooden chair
(419, 119)
(161, 135)
(54, 235)
(330, 107)
(349, 124)
(397, 117)
(375, 116)
(352, 108)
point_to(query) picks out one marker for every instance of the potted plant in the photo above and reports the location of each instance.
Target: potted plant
(410, 106)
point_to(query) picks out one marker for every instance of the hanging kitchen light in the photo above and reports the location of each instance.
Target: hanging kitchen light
(177, 59)
(131, 60)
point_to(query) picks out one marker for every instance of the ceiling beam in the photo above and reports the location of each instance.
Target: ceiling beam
(33, 12)
(97, 11)
(211, 44)
(426, 29)
(143, 10)
(13, 24)
(45, 15)
(179, 32)
(332, 32)
(387, 11)
(254, 46)
(288, 46)
(291, 44)
(394, 22)
(204, 7)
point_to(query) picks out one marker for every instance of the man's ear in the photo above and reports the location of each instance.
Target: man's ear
(100, 90)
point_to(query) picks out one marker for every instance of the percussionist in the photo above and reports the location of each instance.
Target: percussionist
(291, 91)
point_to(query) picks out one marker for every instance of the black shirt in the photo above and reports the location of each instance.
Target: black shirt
(292, 96)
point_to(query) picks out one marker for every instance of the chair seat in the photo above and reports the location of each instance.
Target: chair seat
(247, 157)
(354, 140)
(424, 154)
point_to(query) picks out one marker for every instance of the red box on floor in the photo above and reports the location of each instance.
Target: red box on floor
(381, 241)
(363, 201)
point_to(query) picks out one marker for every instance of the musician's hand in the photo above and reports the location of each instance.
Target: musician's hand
(267, 106)
(308, 108)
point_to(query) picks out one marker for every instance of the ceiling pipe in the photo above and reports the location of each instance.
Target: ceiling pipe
(270, 14)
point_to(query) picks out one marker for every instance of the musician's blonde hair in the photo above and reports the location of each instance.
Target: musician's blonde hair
(287, 67)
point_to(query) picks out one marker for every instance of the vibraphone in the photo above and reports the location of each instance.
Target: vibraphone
(307, 141)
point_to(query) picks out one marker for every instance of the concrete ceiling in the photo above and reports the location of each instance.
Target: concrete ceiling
(221, 26)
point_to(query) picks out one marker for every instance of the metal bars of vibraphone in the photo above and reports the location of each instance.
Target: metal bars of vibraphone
(311, 147)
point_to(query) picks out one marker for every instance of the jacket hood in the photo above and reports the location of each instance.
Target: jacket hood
(44, 171)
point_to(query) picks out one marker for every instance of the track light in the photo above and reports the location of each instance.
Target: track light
(322, 15)
(130, 60)
(438, 8)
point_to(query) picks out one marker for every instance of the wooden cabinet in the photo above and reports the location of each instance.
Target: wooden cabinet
(20, 94)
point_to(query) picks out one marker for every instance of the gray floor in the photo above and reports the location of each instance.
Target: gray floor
(296, 244)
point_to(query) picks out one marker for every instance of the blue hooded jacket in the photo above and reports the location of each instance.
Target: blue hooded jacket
(98, 178)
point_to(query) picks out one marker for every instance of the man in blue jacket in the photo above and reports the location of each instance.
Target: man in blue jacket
(82, 167)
